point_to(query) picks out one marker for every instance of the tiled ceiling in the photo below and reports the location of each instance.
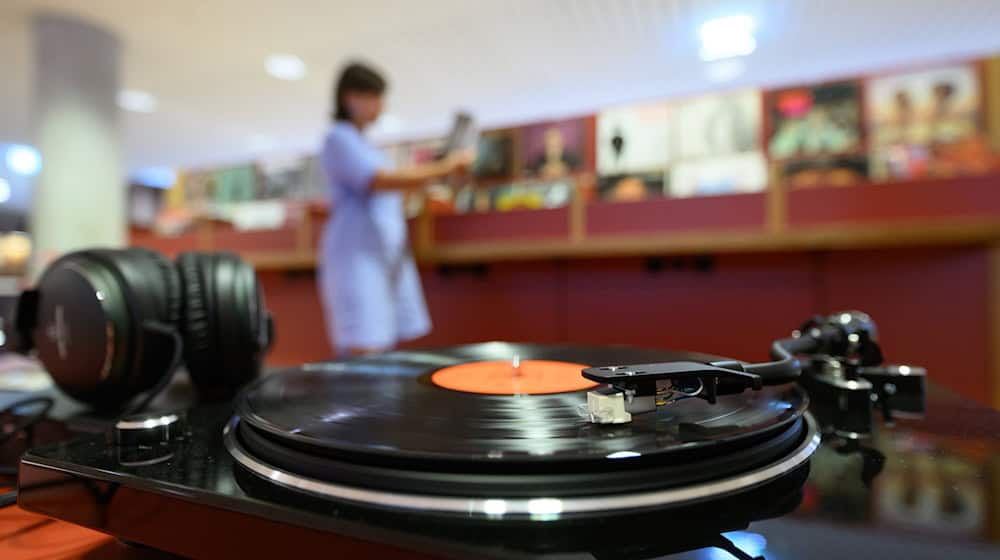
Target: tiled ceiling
(508, 61)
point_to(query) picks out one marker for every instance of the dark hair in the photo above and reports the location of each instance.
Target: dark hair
(355, 77)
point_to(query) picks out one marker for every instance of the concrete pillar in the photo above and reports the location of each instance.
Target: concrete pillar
(80, 196)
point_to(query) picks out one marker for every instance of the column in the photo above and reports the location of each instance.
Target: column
(80, 196)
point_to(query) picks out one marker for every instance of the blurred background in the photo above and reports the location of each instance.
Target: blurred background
(690, 174)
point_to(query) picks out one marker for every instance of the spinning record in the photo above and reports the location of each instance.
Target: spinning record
(478, 422)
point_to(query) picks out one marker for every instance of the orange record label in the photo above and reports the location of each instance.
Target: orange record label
(529, 377)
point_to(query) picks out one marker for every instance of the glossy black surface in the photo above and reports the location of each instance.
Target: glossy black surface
(919, 489)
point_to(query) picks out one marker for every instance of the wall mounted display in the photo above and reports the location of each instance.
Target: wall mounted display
(927, 124)
(554, 149)
(816, 134)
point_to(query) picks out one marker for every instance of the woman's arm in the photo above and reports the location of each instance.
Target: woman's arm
(419, 176)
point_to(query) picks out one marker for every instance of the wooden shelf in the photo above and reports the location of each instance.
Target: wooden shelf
(713, 242)
(834, 237)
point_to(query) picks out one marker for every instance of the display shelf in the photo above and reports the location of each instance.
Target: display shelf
(724, 213)
(940, 212)
(926, 199)
(170, 245)
(832, 237)
(532, 225)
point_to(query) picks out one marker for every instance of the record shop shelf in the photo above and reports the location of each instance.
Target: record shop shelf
(961, 211)
(836, 237)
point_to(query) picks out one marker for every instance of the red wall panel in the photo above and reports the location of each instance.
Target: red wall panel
(736, 211)
(734, 310)
(961, 197)
(929, 304)
(502, 226)
(298, 318)
(506, 301)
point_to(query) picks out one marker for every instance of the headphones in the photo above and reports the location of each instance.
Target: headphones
(109, 324)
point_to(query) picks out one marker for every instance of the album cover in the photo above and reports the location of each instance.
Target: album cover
(198, 189)
(927, 123)
(555, 149)
(235, 184)
(634, 139)
(717, 125)
(817, 136)
(716, 141)
(633, 187)
(735, 173)
(825, 171)
(282, 177)
(532, 195)
(315, 185)
(495, 155)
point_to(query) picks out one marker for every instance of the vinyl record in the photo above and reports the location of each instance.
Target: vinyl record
(388, 407)
(413, 424)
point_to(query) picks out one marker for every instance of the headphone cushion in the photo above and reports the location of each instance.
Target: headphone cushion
(172, 285)
(222, 322)
(195, 317)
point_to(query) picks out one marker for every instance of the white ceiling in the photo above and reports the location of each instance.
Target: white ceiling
(508, 61)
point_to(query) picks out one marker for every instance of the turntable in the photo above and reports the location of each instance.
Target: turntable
(492, 450)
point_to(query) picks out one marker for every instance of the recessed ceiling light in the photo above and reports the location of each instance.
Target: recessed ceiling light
(727, 37)
(23, 160)
(136, 101)
(285, 67)
(4, 190)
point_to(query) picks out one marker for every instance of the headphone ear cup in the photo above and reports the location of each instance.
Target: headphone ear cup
(222, 322)
(93, 309)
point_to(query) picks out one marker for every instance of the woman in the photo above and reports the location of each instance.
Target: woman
(369, 284)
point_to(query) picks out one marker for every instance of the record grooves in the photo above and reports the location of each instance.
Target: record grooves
(379, 431)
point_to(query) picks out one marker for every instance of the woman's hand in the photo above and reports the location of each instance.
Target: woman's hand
(458, 164)
(455, 167)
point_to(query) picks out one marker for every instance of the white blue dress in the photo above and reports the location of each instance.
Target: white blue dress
(368, 281)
